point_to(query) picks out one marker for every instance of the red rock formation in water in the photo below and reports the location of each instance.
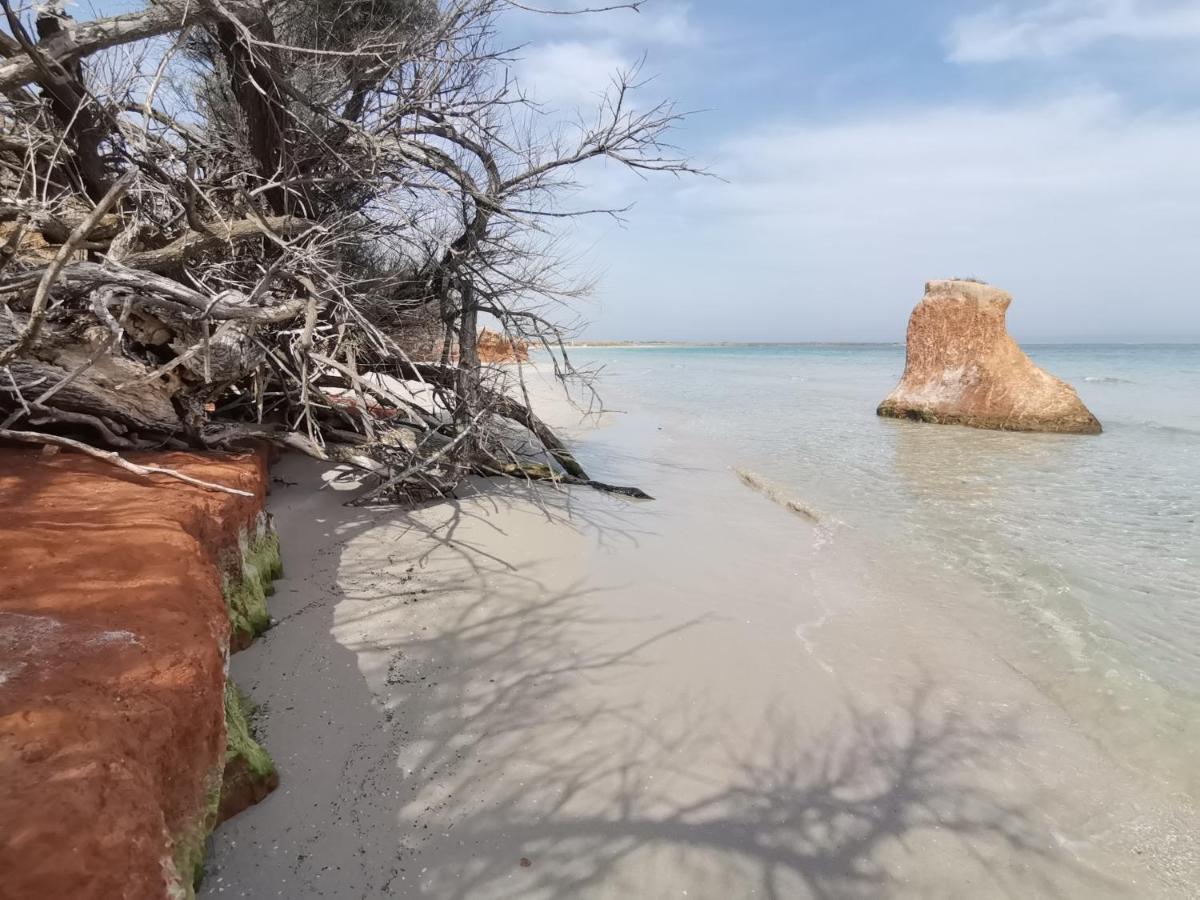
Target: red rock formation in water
(963, 368)
(114, 635)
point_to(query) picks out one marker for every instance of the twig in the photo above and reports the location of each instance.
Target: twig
(34, 437)
(419, 466)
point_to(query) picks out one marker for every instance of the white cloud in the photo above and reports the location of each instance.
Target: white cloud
(1055, 28)
(572, 59)
(656, 23)
(666, 22)
(1084, 208)
(893, 164)
(569, 74)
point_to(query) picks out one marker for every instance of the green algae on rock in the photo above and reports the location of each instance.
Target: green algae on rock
(248, 584)
(246, 775)
(250, 773)
(185, 869)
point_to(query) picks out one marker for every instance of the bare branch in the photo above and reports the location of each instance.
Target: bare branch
(34, 437)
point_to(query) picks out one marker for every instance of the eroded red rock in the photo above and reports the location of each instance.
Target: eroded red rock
(499, 348)
(964, 368)
(113, 637)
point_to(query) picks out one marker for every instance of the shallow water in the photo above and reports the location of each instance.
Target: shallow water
(1090, 543)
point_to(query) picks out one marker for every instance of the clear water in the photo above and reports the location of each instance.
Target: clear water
(1092, 543)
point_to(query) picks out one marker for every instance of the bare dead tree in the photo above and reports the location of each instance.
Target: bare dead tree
(227, 220)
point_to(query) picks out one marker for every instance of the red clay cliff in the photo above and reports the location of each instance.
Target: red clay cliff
(498, 348)
(114, 634)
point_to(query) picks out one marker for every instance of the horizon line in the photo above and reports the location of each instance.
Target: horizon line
(1042, 342)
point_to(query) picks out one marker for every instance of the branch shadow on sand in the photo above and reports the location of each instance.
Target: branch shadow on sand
(520, 738)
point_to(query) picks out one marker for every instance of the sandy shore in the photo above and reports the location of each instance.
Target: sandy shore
(571, 695)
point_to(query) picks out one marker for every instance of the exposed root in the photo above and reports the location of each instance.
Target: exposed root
(302, 234)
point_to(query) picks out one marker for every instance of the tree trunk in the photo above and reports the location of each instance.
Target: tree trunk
(468, 361)
(252, 71)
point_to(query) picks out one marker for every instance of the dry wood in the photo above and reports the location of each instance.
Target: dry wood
(303, 200)
(93, 390)
(173, 256)
(92, 37)
(37, 312)
(81, 278)
(542, 472)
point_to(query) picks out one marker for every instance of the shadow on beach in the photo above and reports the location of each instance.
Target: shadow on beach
(494, 727)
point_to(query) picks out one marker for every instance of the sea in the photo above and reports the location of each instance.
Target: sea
(1090, 545)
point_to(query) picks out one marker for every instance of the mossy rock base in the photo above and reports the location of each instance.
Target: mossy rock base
(189, 849)
(247, 589)
(249, 773)
(246, 774)
(1027, 424)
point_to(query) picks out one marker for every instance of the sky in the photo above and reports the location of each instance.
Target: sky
(863, 147)
(1050, 147)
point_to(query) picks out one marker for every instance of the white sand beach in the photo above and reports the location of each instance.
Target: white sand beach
(538, 694)
(872, 571)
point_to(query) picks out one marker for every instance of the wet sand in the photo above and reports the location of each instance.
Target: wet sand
(537, 695)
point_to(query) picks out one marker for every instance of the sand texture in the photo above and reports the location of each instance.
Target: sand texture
(707, 696)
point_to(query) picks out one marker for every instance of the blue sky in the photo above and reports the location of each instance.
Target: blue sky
(1051, 147)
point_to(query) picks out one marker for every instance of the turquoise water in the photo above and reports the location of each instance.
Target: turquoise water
(1092, 543)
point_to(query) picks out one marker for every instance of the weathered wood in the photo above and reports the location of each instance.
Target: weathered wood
(171, 258)
(81, 278)
(229, 354)
(255, 76)
(508, 408)
(85, 125)
(50, 273)
(523, 415)
(542, 472)
(94, 391)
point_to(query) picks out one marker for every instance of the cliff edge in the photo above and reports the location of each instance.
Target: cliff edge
(121, 740)
(500, 348)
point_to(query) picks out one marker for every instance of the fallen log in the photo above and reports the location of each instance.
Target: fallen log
(81, 278)
(91, 390)
(505, 406)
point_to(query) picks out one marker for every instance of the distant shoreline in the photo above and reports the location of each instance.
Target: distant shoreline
(649, 345)
(658, 345)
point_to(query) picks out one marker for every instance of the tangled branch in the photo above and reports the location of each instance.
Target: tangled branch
(289, 223)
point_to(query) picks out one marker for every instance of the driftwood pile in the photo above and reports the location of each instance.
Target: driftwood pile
(281, 220)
